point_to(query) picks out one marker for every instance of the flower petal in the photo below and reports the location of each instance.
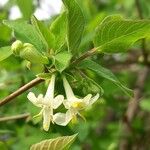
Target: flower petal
(31, 96)
(94, 99)
(46, 118)
(68, 89)
(62, 119)
(86, 99)
(50, 90)
(57, 101)
(67, 104)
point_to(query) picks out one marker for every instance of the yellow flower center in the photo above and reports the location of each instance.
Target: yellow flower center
(78, 105)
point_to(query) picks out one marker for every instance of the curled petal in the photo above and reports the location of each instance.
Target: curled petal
(57, 101)
(87, 99)
(94, 99)
(62, 118)
(46, 118)
(31, 96)
(67, 104)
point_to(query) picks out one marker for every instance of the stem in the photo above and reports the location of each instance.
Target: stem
(21, 90)
(84, 56)
(16, 117)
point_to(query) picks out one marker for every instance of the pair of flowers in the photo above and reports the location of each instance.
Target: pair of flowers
(48, 103)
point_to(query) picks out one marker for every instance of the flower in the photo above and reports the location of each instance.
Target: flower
(47, 103)
(73, 104)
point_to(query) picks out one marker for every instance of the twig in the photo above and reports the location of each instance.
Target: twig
(16, 117)
(139, 10)
(84, 56)
(140, 14)
(133, 107)
(21, 90)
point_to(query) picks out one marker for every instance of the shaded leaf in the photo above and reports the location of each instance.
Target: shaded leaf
(105, 73)
(116, 34)
(60, 143)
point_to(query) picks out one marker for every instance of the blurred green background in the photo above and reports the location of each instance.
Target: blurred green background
(105, 127)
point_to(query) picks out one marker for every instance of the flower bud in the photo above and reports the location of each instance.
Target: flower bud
(16, 47)
(30, 53)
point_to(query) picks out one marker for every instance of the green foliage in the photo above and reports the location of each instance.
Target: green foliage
(26, 33)
(26, 8)
(75, 24)
(62, 60)
(60, 143)
(47, 37)
(105, 73)
(116, 34)
(59, 29)
(56, 43)
(5, 52)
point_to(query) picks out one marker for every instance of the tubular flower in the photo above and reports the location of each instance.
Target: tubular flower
(73, 104)
(48, 103)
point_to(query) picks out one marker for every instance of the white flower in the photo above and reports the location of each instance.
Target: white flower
(47, 103)
(73, 104)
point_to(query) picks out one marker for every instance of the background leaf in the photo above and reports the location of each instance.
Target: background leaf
(76, 23)
(26, 33)
(105, 73)
(60, 143)
(5, 52)
(115, 34)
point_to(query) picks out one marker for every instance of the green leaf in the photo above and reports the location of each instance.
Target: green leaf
(5, 52)
(60, 143)
(116, 34)
(26, 7)
(45, 34)
(26, 33)
(75, 24)
(62, 60)
(59, 29)
(105, 73)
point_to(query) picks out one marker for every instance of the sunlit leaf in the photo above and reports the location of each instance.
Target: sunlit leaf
(59, 29)
(26, 33)
(5, 52)
(116, 34)
(45, 34)
(26, 7)
(75, 24)
(60, 143)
